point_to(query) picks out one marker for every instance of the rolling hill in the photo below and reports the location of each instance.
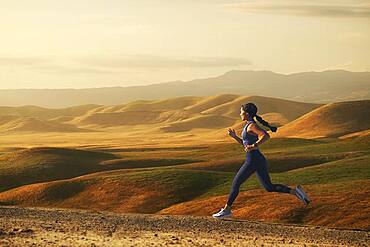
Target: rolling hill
(40, 164)
(330, 120)
(211, 114)
(185, 113)
(357, 134)
(145, 191)
(45, 113)
(31, 124)
(174, 114)
(287, 109)
(46, 164)
(206, 122)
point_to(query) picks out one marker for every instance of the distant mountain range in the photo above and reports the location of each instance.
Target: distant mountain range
(314, 87)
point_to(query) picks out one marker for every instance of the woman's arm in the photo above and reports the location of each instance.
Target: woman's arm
(232, 133)
(238, 139)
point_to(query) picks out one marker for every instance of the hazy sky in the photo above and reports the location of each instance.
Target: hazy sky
(100, 43)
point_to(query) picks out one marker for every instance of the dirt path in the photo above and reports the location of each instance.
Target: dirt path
(61, 227)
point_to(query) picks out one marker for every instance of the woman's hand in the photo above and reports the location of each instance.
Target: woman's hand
(231, 132)
(249, 148)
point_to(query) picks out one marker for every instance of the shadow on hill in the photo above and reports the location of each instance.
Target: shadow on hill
(123, 191)
(41, 164)
(61, 190)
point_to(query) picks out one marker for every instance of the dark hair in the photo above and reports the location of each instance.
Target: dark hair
(252, 110)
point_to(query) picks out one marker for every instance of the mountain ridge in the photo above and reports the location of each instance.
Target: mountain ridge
(315, 87)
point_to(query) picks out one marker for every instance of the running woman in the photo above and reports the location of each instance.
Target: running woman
(252, 137)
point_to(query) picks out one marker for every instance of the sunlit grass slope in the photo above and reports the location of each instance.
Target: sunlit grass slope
(185, 113)
(289, 109)
(142, 191)
(45, 113)
(331, 120)
(32, 124)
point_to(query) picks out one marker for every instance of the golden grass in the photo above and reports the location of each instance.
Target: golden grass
(331, 120)
(45, 113)
(210, 102)
(173, 114)
(205, 122)
(288, 109)
(275, 118)
(31, 124)
(363, 133)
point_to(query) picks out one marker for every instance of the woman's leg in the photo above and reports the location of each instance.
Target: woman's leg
(244, 172)
(265, 180)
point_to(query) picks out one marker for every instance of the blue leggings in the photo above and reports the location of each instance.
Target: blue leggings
(254, 162)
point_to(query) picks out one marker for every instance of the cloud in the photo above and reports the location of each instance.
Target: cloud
(46, 64)
(74, 69)
(22, 61)
(115, 64)
(300, 8)
(339, 66)
(147, 61)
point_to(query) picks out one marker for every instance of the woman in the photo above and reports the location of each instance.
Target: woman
(252, 137)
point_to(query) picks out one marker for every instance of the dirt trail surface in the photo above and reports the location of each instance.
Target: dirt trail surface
(62, 227)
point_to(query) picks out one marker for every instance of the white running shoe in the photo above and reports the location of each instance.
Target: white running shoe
(223, 213)
(302, 195)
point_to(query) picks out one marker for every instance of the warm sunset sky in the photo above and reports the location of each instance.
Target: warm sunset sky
(99, 43)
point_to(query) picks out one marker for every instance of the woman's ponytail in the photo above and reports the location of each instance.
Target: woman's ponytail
(263, 122)
(252, 110)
